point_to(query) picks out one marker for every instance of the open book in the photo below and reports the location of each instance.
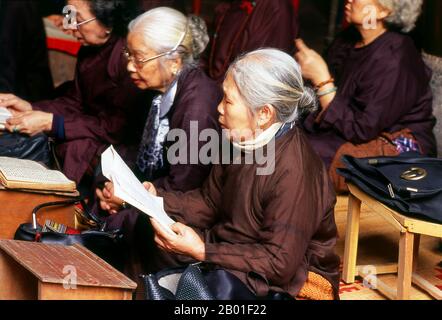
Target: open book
(128, 188)
(5, 114)
(28, 174)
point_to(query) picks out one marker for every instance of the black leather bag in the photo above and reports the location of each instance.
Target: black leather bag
(200, 281)
(15, 145)
(105, 244)
(410, 184)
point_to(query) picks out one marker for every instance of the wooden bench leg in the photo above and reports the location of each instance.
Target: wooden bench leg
(351, 240)
(417, 241)
(405, 265)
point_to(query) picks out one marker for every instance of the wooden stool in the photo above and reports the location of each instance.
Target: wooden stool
(410, 229)
(31, 271)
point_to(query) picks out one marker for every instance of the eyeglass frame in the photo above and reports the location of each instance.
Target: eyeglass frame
(138, 62)
(76, 25)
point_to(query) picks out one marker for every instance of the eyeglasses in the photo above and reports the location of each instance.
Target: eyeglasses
(139, 63)
(73, 24)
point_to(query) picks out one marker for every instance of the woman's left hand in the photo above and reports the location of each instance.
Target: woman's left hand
(313, 66)
(30, 122)
(185, 241)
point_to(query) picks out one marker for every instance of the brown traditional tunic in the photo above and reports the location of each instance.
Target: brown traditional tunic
(241, 29)
(267, 230)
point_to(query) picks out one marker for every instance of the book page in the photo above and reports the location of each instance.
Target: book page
(28, 171)
(128, 188)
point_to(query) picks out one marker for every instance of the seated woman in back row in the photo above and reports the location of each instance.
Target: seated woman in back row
(273, 230)
(383, 103)
(101, 106)
(162, 53)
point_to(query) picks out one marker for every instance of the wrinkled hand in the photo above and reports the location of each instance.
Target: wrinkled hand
(313, 66)
(30, 122)
(14, 104)
(112, 204)
(185, 241)
(108, 201)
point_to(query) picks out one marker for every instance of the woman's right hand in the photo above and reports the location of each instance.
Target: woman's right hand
(112, 204)
(14, 103)
(108, 201)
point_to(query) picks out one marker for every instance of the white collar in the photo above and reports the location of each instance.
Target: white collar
(167, 99)
(263, 139)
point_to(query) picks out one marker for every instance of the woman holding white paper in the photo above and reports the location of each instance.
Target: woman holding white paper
(163, 48)
(274, 232)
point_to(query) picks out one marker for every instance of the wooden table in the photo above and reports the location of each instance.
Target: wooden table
(31, 271)
(16, 208)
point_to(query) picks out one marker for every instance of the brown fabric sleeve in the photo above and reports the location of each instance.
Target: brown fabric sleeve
(196, 208)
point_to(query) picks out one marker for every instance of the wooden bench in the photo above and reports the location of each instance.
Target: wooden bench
(410, 232)
(31, 271)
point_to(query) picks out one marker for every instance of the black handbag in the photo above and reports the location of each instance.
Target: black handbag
(410, 184)
(200, 281)
(105, 244)
(36, 148)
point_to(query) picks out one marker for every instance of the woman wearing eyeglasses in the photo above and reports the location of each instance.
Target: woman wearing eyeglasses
(163, 47)
(101, 106)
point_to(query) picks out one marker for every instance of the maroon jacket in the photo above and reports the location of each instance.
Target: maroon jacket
(270, 24)
(97, 108)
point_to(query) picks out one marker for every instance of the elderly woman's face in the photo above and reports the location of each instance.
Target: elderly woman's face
(91, 33)
(357, 11)
(151, 74)
(235, 116)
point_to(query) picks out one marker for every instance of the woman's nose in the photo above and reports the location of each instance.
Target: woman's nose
(221, 108)
(131, 66)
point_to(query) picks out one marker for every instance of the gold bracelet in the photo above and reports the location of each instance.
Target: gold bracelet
(319, 86)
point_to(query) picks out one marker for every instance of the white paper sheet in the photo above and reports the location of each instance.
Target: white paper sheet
(128, 188)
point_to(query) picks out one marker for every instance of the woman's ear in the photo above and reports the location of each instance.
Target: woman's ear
(176, 66)
(266, 116)
(383, 13)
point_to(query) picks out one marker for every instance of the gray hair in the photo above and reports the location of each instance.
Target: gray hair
(164, 28)
(270, 76)
(404, 13)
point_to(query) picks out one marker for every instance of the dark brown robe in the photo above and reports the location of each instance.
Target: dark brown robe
(268, 230)
(101, 107)
(383, 87)
(24, 63)
(270, 24)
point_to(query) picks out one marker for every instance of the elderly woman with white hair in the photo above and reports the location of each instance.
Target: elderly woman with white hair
(374, 93)
(275, 232)
(163, 47)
